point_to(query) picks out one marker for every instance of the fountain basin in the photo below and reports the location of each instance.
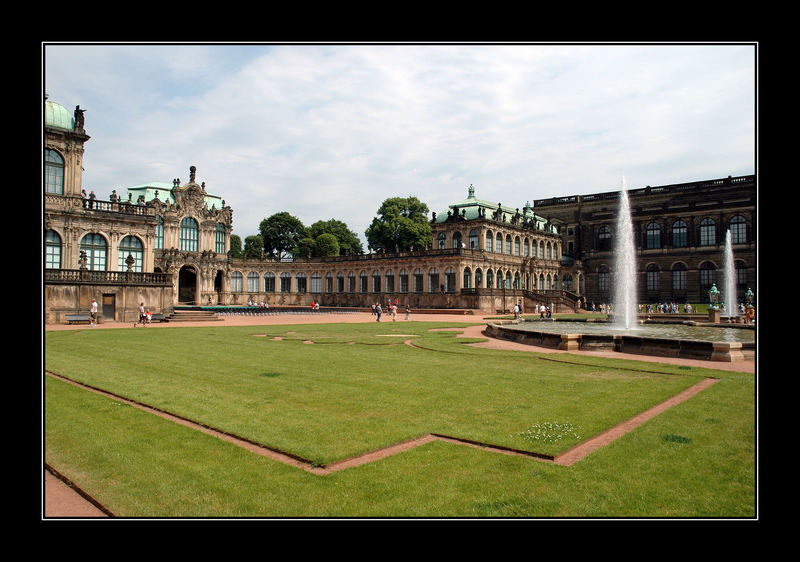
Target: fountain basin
(596, 337)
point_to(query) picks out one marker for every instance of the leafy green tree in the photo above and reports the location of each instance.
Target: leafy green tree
(401, 224)
(236, 247)
(254, 247)
(282, 233)
(349, 243)
(305, 248)
(326, 245)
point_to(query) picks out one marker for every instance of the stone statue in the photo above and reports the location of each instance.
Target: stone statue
(79, 117)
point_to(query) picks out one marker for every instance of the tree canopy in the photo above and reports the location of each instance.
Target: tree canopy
(401, 224)
(282, 233)
(348, 241)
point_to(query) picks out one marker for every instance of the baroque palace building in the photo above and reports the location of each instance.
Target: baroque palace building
(167, 244)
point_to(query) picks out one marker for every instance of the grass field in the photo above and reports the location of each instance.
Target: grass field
(358, 388)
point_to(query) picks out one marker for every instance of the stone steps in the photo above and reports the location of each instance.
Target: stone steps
(193, 316)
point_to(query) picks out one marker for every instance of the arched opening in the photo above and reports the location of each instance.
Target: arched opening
(218, 285)
(187, 285)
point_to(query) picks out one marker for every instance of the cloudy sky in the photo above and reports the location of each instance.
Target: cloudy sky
(330, 131)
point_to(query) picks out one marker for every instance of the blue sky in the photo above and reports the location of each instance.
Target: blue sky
(330, 131)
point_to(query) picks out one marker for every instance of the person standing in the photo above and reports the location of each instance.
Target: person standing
(378, 312)
(93, 314)
(142, 314)
(408, 312)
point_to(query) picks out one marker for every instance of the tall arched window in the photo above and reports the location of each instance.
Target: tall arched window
(159, 241)
(442, 240)
(389, 288)
(526, 248)
(489, 241)
(189, 235)
(479, 278)
(419, 282)
(131, 245)
(363, 282)
(53, 172)
(219, 239)
(316, 283)
(708, 276)
(403, 280)
(680, 237)
(52, 250)
(708, 232)
(473, 239)
(516, 245)
(604, 238)
(450, 280)
(467, 278)
(652, 277)
(498, 243)
(236, 282)
(489, 279)
(96, 250)
(286, 282)
(351, 282)
(679, 277)
(269, 282)
(301, 281)
(738, 230)
(376, 281)
(456, 240)
(252, 282)
(603, 278)
(652, 236)
(508, 244)
(433, 280)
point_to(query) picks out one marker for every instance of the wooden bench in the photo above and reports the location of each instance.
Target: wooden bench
(80, 317)
(158, 318)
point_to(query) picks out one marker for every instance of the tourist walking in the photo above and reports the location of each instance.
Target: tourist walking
(378, 312)
(142, 314)
(93, 314)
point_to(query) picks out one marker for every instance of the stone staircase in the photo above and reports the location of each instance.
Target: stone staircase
(193, 316)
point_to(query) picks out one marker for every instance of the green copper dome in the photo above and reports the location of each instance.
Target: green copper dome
(56, 115)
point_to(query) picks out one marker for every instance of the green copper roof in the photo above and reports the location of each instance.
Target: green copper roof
(164, 190)
(469, 209)
(56, 115)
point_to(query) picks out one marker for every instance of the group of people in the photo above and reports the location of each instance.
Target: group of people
(391, 308)
(145, 316)
(251, 302)
(665, 308)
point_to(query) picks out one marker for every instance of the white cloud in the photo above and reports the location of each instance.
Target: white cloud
(330, 131)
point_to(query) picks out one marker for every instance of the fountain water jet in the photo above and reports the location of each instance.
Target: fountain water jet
(729, 295)
(625, 300)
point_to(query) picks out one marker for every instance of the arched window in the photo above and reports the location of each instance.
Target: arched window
(498, 243)
(679, 234)
(741, 273)
(286, 282)
(159, 241)
(236, 282)
(708, 232)
(603, 278)
(442, 240)
(433, 280)
(526, 248)
(516, 245)
(403, 280)
(52, 250)
(678, 277)
(269, 282)
(489, 241)
(467, 283)
(456, 240)
(516, 280)
(604, 238)
(96, 249)
(376, 281)
(489, 279)
(473, 239)
(130, 245)
(219, 239)
(708, 276)
(302, 283)
(363, 282)
(450, 280)
(419, 283)
(541, 249)
(738, 230)
(53, 172)
(652, 236)
(566, 284)
(340, 282)
(252, 282)
(328, 282)
(508, 244)
(389, 287)
(316, 283)
(189, 235)
(479, 278)
(549, 251)
(533, 248)
(351, 282)
(652, 278)
(541, 282)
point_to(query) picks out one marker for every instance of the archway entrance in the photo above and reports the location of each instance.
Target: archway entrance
(218, 285)
(187, 285)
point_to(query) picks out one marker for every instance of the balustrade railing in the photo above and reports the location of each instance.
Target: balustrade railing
(88, 276)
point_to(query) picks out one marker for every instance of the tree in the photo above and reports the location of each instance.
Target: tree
(282, 233)
(349, 243)
(401, 224)
(305, 248)
(326, 245)
(236, 247)
(253, 246)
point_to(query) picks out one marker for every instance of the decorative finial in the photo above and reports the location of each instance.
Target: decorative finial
(192, 171)
(471, 191)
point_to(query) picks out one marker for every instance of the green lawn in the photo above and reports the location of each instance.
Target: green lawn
(359, 388)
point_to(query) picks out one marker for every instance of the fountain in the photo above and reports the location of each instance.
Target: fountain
(729, 295)
(625, 303)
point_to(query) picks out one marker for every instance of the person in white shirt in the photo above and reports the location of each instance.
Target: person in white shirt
(93, 314)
